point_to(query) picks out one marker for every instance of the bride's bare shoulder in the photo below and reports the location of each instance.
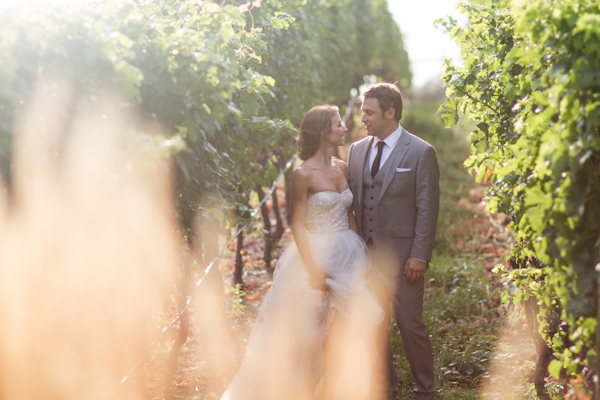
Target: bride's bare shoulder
(303, 173)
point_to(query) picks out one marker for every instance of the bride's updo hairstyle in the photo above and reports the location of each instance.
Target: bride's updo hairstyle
(316, 120)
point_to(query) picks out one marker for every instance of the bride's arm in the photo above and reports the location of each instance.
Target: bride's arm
(300, 184)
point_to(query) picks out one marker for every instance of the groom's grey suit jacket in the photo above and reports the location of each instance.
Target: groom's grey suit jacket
(398, 209)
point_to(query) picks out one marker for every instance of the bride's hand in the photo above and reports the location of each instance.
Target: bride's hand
(317, 279)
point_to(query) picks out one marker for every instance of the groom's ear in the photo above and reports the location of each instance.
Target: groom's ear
(390, 113)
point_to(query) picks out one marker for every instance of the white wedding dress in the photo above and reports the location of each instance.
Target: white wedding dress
(283, 359)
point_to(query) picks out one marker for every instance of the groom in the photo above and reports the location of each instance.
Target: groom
(394, 177)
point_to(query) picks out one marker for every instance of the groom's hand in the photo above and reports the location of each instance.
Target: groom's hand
(414, 269)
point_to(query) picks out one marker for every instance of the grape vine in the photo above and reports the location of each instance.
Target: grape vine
(529, 79)
(225, 83)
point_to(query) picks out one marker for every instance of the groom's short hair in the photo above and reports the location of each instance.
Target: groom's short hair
(388, 95)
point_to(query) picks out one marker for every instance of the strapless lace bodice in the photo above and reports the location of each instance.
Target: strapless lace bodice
(328, 211)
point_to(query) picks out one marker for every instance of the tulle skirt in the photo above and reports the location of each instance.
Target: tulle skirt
(284, 357)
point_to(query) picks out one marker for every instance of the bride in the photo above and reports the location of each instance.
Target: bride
(318, 307)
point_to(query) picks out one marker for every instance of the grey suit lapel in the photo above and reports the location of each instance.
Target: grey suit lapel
(361, 159)
(393, 160)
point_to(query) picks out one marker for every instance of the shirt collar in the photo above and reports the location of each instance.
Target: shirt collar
(391, 140)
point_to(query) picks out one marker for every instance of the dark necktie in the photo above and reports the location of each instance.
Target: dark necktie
(375, 167)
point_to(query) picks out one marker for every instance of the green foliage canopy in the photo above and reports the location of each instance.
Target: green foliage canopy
(220, 81)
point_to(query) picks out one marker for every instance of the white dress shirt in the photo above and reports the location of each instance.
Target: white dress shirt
(390, 143)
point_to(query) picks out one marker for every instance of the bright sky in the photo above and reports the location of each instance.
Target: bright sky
(426, 45)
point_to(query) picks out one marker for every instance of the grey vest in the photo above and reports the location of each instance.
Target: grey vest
(371, 190)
